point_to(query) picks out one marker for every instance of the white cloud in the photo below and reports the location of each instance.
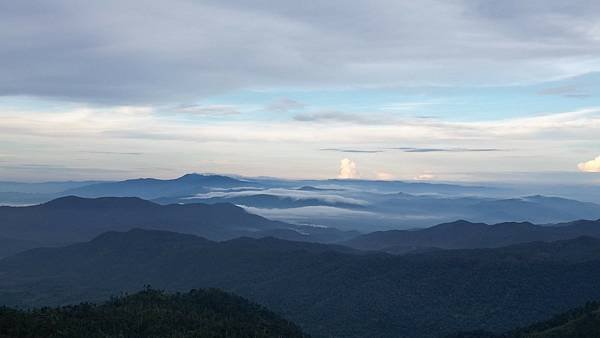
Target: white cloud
(592, 166)
(425, 177)
(348, 169)
(69, 136)
(208, 110)
(294, 194)
(307, 213)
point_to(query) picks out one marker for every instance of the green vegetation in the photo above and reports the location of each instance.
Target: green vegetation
(327, 292)
(151, 313)
(582, 322)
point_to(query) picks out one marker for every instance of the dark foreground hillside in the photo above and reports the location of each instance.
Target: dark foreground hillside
(326, 291)
(582, 322)
(150, 313)
(579, 323)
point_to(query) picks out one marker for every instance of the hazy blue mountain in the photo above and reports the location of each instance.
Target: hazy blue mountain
(325, 290)
(333, 202)
(359, 205)
(10, 246)
(538, 209)
(43, 187)
(150, 313)
(72, 219)
(25, 198)
(150, 188)
(466, 235)
(311, 188)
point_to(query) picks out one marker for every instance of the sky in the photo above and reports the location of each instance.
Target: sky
(470, 91)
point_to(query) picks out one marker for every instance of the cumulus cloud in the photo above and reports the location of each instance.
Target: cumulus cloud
(348, 169)
(592, 166)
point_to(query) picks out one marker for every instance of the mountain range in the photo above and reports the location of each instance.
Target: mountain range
(357, 205)
(74, 219)
(325, 289)
(467, 235)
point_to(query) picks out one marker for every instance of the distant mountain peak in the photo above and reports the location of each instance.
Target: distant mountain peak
(207, 179)
(147, 237)
(191, 176)
(101, 202)
(460, 223)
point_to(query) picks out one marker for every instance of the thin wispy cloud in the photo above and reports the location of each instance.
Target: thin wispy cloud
(355, 151)
(114, 153)
(413, 150)
(445, 150)
(207, 110)
(284, 105)
(337, 117)
(570, 91)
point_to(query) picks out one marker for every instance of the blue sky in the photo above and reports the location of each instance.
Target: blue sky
(436, 90)
(459, 103)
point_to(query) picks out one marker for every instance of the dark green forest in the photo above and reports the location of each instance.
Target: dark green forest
(151, 313)
(582, 322)
(324, 291)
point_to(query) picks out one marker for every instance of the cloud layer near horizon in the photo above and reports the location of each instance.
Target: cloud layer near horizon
(93, 137)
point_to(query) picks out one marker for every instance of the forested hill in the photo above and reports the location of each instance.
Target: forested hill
(151, 313)
(325, 290)
(582, 322)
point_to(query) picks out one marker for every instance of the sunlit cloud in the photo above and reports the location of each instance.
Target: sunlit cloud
(348, 169)
(425, 177)
(592, 166)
